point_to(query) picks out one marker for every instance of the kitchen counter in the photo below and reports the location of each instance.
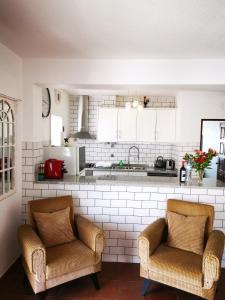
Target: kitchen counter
(144, 170)
(152, 181)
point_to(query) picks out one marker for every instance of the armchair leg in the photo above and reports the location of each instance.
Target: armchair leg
(25, 279)
(146, 285)
(41, 296)
(94, 279)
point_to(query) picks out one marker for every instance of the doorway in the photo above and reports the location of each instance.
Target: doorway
(213, 136)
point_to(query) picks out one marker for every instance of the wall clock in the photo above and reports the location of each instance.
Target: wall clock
(46, 102)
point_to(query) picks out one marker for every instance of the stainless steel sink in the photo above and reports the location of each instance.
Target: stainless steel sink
(134, 167)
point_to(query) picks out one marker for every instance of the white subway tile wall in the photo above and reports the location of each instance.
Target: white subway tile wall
(154, 101)
(179, 149)
(114, 152)
(121, 211)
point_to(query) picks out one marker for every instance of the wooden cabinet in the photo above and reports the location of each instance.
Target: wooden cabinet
(107, 124)
(146, 125)
(127, 125)
(166, 125)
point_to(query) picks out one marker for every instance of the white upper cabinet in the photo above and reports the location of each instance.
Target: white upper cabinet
(166, 125)
(131, 125)
(107, 124)
(127, 125)
(146, 125)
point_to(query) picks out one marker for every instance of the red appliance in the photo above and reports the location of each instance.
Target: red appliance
(54, 168)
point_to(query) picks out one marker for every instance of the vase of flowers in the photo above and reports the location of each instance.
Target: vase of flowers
(200, 161)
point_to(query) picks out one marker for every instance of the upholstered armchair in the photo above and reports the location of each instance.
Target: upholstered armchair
(188, 271)
(46, 267)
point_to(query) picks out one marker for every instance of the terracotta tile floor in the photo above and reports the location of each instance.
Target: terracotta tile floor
(118, 281)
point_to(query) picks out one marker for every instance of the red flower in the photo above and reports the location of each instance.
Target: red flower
(200, 160)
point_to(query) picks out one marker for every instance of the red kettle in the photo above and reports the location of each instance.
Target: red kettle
(54, 168)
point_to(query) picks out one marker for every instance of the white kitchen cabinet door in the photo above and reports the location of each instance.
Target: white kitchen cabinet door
(166, 125)
(146, 125)
(127, 125)
(107, 124)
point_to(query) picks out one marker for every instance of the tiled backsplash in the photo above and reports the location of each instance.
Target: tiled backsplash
(154, 101)
(114, 152)
(179, 150)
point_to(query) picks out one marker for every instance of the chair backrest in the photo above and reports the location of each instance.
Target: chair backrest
(50, 205)
(187, 208)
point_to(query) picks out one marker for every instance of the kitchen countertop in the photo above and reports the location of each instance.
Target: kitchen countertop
(151, 181)
(147, 169)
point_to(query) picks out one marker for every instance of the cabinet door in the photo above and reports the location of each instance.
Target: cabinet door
(146, 125)
(127, 121)
(107, 124)
(166, 125)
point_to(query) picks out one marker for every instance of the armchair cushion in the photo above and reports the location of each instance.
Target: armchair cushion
(186, 232)
(175, 264)
(67, 258)
(54, 228)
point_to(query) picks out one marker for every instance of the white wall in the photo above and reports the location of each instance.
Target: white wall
(10, 208)
(193, 106)
(57, 108)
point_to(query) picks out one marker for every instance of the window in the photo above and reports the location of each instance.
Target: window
(7, 147)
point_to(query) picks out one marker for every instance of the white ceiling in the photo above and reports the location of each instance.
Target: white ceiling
(121, 29)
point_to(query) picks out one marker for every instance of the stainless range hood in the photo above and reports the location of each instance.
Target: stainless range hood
(82, 119)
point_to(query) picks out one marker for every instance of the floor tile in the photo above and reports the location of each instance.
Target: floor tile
(119, 281)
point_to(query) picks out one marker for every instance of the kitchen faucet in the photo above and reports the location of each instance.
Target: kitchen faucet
(129, 155)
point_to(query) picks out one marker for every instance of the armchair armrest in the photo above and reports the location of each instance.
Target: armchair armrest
(33, 251)
(90, 234)
(150, 239)
(212, 256)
